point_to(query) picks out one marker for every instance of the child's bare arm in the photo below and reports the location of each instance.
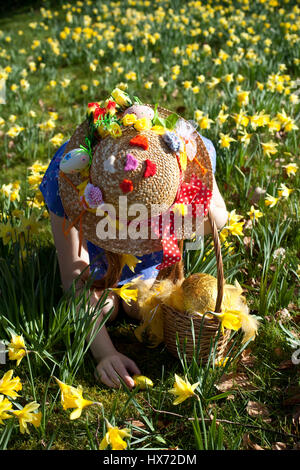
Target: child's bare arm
(111, 363)
(70, 264)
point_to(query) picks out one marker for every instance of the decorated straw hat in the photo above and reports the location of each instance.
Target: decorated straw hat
(127, 153)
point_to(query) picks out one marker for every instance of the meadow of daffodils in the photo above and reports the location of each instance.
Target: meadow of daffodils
(233, 67)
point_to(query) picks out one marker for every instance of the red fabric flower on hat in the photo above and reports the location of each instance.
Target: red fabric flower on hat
(198, 195)
(150, 169)
(140, 141)
(126, 186)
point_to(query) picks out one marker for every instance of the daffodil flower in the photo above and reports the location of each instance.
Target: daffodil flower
(125, 293)
(27, 415)
(182, 389)
(254, 213)
(114, 438)
(71, 397)
(16, 349)
(9, 386)
(5, 405)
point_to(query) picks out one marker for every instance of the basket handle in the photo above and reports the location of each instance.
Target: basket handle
(220, 272)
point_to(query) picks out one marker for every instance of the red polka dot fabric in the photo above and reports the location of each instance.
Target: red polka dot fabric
(198, 196)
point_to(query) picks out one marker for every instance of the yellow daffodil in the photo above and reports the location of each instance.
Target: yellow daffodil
(125, 293)
(27, 415)
(71, 397)
(269, 148)
(284, 191)
(225, 140)
(243, 98)
(8, 233)
(142, 382)
(182, 389)
(231, 320)
(130, 260)
(254, 213)
(291, 169)
(271, 201)
(114, 438)
(57, 139)
(15, 131)
(16, 349)
(5, 405)
(205, 122)
(9, 386)
(235, 228)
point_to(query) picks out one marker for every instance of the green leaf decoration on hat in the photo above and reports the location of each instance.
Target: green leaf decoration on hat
(168, 123)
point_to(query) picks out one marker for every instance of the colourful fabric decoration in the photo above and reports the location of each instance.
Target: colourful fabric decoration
(140, 141)
(93, 196)
(109, 164)
(131, 163)
(126, 186)
(172, 140)
(198, 195)
(150, 169)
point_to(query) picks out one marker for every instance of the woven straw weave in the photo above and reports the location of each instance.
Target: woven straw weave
(177, 323)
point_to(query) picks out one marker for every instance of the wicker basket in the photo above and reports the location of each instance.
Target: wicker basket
(179, 323)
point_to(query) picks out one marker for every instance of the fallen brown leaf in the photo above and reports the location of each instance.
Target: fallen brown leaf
(249, 445)
(255, 409)
(137, 424)
(278, 446)
(283, 315)
(278, 352)
(234, 381)
(287, 364)
(246, 358)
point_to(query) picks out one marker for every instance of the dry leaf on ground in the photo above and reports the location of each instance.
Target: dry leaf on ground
(278, 446)
(249, 445)
(287, 364)
(234, 381)
(255, 409)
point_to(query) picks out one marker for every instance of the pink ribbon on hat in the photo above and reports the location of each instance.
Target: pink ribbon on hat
(198, 196)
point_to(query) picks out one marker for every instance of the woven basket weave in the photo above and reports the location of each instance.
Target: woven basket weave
(205, 329)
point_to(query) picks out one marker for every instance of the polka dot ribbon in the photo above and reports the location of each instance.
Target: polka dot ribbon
(195, 194)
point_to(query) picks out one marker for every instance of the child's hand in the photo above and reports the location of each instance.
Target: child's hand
(114, 365)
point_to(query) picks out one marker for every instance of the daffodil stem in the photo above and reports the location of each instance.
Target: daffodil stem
(31, 376)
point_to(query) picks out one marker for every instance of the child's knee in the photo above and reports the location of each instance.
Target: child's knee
(132, 310)
(111, 305)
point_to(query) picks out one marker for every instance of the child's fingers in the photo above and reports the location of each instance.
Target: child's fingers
(131, 365)
(121, 370)
(105, 379)
(112, 374)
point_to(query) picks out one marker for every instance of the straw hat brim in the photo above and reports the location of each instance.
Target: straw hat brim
(89, 220)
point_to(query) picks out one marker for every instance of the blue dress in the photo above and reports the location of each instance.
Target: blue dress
(98, 263)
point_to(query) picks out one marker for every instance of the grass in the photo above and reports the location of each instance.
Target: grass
(31, 302)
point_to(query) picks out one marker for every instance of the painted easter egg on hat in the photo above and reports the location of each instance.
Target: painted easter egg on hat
(141, 111)
(74, 161)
